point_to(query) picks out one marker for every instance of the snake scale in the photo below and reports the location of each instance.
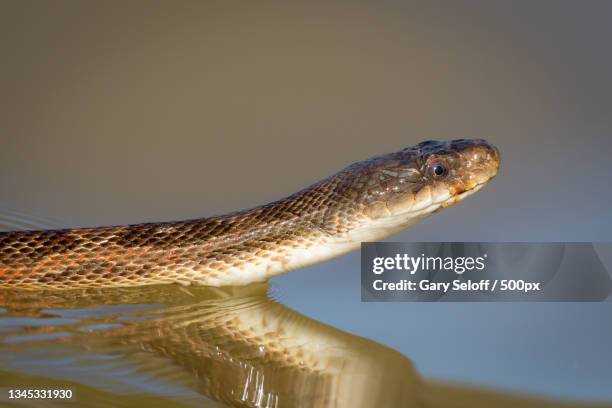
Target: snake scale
(367, 201)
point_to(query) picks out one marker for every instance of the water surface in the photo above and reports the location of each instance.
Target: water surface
(198, 346)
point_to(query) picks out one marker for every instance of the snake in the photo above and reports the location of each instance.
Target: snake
(242, 348)
(366, 201)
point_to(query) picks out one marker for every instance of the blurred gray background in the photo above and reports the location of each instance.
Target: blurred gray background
(124, 112)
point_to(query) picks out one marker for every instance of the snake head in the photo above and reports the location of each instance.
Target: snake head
(424, 178)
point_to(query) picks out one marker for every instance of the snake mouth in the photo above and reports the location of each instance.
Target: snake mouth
(447, 202)
(464, 194)
(450, 200)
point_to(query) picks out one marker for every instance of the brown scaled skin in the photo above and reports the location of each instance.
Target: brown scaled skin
(366, 201)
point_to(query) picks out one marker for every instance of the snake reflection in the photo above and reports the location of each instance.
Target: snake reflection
(241, 347)
(244, 348)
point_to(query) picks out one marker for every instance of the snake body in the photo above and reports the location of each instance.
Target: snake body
(366, 201)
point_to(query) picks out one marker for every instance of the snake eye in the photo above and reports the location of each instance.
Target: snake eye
(439, 170)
